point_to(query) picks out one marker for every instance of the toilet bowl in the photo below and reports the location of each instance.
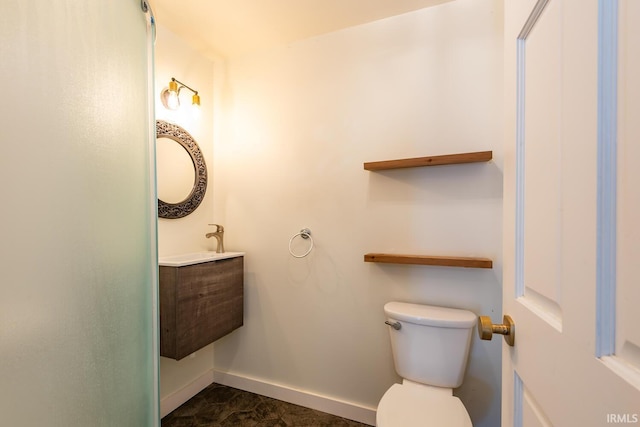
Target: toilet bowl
(406, 406)
(430, 348)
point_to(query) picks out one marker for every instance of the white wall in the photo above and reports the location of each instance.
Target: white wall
(174, 58)
(299, 122)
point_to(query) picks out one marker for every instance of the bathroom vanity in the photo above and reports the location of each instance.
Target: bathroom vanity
(201, 300)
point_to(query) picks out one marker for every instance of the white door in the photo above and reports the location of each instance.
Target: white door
(572, 213)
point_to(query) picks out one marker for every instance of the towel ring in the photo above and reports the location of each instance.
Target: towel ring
(305, 233)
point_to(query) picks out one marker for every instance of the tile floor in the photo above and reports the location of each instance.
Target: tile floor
(218, 406)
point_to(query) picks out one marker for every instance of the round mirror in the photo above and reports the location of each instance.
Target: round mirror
(176, 172)
(181, 171)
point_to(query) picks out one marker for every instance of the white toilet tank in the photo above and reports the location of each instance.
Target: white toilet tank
(432, 345)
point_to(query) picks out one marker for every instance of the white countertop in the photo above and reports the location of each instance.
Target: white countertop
(195, 258)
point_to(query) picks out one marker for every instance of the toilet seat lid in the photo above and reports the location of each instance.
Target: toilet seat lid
(411, 407)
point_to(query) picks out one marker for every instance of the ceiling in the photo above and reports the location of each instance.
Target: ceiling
(233, 27)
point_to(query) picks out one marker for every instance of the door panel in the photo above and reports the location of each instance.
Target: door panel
(532, 413)
(541, 151)
(628, 203)
(571, 238)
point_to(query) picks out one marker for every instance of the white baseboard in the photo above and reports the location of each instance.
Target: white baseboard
(341, 408)
(175, 399)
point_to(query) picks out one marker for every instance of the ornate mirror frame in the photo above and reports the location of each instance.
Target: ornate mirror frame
(193, 200)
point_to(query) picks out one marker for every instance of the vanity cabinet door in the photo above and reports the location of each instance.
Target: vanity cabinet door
(199, 304)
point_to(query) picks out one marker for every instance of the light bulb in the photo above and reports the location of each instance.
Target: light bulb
(195, 106)
(173, 102)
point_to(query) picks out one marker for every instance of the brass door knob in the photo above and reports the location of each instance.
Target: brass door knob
(486, 329)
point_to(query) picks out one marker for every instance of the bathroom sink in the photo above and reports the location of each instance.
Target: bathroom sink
(195, 258)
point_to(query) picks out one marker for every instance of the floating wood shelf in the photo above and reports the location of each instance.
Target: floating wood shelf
(447, 159)
(446, 261)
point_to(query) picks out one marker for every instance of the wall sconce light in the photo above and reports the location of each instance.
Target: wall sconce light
(170, 96)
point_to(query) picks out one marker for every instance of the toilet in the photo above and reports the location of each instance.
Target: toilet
(430, 348)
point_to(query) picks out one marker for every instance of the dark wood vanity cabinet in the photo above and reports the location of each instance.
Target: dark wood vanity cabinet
(199, 303)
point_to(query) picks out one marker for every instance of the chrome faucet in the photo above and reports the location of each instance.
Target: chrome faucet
(218, 234)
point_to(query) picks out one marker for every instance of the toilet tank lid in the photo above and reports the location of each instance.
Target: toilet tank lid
(430, 315)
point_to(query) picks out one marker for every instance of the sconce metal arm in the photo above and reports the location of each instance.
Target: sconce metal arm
(173, 79)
